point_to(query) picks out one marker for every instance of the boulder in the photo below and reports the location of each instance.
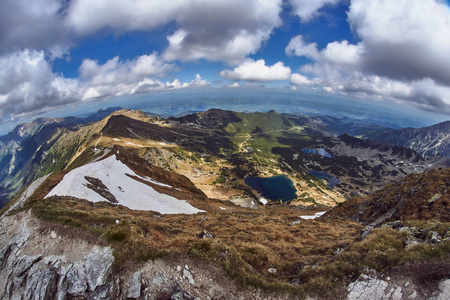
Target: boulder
(98, 266)
(76, 280)
(366, 288)
(134, 290)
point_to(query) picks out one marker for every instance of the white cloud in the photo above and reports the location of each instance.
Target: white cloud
(222, 30)
(308, 9)
(116, 77)
(199, 82)
(402, 55)
(130, 71)
(257, 71)
(27, 84)
(297, 80)
(406, 39)
(298, 47)
(234, 85)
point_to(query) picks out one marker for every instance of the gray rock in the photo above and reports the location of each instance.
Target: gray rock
(76, 280)
(397, 294)
(447, 235)
(41, 285)
(62, 282)
(98, 266)
(188, 275)
(24, 263)
(134, 291)
(160, 280)
(205, 234)
(444, 287)
(433, 238)
(366, 288)
(102, 292)
(4, 254)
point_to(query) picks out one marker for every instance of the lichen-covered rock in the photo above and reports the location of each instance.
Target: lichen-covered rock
(433, 238)
(98, 266)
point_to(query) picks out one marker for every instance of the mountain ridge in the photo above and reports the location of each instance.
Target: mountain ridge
(428, 141)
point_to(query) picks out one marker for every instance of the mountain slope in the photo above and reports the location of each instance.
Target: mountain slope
(216, 150)
(416, 197)
(35, 149)
(109, 179)
(428, 141)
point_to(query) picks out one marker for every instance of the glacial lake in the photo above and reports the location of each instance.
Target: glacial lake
(273, 188)
(332, 180)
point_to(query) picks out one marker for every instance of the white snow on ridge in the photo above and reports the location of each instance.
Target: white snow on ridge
(128, 192)
(316, 215)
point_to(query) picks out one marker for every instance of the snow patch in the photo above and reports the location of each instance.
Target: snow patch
(316, 215)
(128, 192)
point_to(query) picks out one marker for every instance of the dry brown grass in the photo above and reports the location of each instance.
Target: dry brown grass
(247, 242)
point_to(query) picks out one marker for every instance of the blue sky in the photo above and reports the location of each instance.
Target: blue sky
(57, 53)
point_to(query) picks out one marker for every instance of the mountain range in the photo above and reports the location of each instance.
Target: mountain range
(160, 208)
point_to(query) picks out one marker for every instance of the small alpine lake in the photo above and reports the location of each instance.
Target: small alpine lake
(332, 180)
(273, 188)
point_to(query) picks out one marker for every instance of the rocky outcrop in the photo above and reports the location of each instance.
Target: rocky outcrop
(368, 287)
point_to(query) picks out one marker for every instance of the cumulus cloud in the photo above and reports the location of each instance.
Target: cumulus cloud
(402, 55)
(298, 47)
(130, 71)
(258, 71)
(406, 39)
(308, 9)
(199, 82)
(116, 77)
(233, 85)
(297, 80)
(27, 84)
(222, 30)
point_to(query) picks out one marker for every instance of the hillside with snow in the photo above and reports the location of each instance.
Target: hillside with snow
(116, 177)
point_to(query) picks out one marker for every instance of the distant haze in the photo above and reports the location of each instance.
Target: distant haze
(178, 103)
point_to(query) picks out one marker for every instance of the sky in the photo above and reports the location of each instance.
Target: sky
(57, 54)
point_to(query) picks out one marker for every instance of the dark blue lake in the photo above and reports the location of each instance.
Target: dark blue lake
(332, 180)
(273, 188)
